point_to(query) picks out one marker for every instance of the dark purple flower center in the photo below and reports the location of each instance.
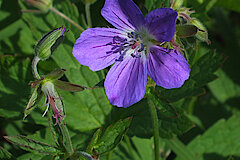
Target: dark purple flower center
(132, 46)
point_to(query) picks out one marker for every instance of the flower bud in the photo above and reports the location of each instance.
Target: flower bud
(176, 4)
(202, 33)
(43, 5)
(49, 43)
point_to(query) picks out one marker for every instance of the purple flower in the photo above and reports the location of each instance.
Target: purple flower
(135, 48)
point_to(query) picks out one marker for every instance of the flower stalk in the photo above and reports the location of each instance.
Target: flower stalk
(154, 118)
(34, 68)
(66, 138)
(67, 18)
(88, 14)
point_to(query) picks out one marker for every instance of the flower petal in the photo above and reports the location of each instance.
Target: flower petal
(161, 23)
(123, 14)
(91, 50)
(125, 83)
(168, 68)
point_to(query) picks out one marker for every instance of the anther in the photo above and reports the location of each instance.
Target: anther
(142, 48)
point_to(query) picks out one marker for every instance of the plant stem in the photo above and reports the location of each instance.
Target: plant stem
(109, 156)
(88, 14)
(155, 130)
(34, 67)
(66, 18)
(84, 21)
(66, 138)
(129, 147)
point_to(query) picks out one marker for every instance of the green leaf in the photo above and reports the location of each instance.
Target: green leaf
(225, 93)
(14, 85)
(182, 151)
(230, 4)
(222, 138)
(30, 156)
(94, 141)
(112, 136)
(154, 4)
(186, 30)
(172, 120)
(32, 145)
(143, 147)
(4, 154)
(138, 149)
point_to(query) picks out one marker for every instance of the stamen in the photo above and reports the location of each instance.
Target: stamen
(110, 43)
(142, 48)
(122, 45)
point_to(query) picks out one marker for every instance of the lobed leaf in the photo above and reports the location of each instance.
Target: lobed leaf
(172, 120)
(94, 140)
(222, 138)
(4, 154)
(112, 136)
(32, 145)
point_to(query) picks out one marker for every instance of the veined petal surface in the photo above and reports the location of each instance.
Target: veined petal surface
(167, 68)
(123, 14)
(125, 83)
(91, 47)
(161, 23)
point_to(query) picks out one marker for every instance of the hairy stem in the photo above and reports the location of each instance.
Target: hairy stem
(34, 67)
(67, 18)
(155, 130)
(109, 156)
(88, 14)
(66, 138)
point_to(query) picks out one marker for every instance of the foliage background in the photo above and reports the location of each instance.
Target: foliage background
(209, 123)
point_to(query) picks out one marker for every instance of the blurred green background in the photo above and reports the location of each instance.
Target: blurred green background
(212, 107)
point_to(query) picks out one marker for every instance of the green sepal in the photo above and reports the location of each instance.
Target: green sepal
(49, 43)
(32, 145)
(112, 136)
(66, 86)
(186, 30)
(32, 103)
(56, 74)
